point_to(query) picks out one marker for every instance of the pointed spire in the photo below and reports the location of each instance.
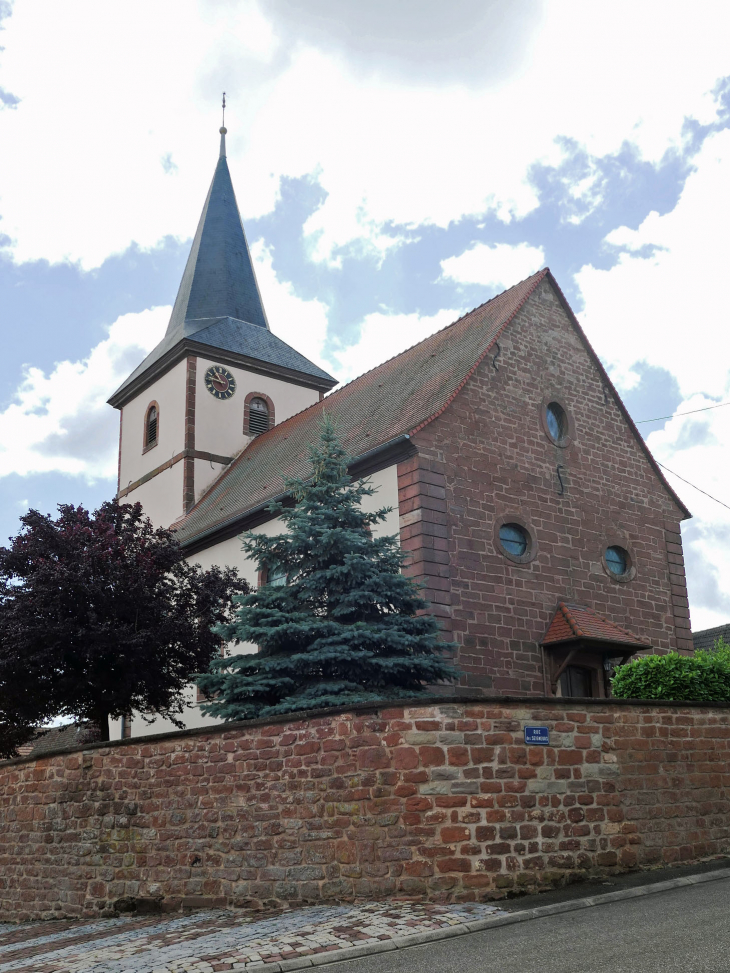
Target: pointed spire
(218, 305)
(219, 278)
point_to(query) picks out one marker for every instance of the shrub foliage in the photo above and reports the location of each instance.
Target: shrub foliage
(703, 676)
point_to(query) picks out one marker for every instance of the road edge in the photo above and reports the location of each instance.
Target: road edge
(341, 955)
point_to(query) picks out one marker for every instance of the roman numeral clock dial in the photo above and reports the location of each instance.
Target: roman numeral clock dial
(219, 382)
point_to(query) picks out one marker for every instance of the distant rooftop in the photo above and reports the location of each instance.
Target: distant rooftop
(60, 738)
(708, 636)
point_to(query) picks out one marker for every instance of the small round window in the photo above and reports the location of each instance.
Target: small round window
(514, 539)
(557, 421)
(617, 561)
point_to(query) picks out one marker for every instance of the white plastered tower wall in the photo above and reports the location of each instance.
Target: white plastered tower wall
(219, 423)
(228, 553)
(153, 476)
(160, 495)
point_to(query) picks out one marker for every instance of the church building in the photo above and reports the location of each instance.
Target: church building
(546, 536)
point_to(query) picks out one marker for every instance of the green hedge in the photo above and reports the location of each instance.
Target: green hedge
(703, 676)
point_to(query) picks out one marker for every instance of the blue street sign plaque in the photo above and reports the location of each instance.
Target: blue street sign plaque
(539, 735)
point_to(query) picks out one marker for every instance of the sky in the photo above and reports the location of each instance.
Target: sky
(396, 163)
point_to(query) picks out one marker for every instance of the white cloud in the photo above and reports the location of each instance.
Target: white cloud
(667, 308)
(695, 448)
(501, 265)
(60, 422)
(108, 90)
(383, 335)
(302, 324)
(670, 309)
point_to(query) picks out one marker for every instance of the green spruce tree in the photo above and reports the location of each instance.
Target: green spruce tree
(342, 625)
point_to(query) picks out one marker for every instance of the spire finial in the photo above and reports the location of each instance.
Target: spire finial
(223, 129)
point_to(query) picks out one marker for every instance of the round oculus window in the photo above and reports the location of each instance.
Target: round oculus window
(617, 561)
(557, 421)
(514, 539)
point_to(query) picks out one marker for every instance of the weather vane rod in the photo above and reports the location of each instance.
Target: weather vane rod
(223, 129)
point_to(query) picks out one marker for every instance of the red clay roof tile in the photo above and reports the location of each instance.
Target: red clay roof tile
(574, 622)
(400, 396)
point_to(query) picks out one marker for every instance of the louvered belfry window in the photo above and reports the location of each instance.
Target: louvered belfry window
(151, 428)
(258, 416)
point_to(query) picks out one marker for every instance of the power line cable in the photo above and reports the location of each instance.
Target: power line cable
(638, 422)
(722, 503)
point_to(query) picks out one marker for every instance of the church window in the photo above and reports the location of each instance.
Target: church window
(557, 421)
(514, 539)
(151, 425)
(617, 560)
(258, 416)
(276, 576)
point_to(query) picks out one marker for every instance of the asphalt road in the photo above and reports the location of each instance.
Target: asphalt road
(685, 930)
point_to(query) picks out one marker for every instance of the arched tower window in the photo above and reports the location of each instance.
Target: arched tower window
(151, 425)
(258, 414)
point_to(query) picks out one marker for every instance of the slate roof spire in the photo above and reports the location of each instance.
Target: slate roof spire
(218, 309)
(219, 279)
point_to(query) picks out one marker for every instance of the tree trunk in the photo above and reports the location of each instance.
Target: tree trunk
(102, 721)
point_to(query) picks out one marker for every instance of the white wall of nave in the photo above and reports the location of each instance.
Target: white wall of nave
(228, 553)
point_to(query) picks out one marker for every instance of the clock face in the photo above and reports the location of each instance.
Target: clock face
(220, 382)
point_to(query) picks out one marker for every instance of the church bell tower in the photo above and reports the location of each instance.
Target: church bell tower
(218, 378)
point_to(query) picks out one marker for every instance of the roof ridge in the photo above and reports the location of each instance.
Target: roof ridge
(335, 391)
(538, 276)
(446, 327)
(572, 621)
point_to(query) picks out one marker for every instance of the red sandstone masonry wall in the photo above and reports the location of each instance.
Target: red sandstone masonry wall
(442, 801)
(487, 456)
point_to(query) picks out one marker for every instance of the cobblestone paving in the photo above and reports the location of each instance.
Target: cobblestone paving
(206, 942)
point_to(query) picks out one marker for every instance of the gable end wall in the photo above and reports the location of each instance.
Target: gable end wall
(487, 457)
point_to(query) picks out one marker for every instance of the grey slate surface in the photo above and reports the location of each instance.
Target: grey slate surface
(707, 637)
(246, 339)
(240, 337)
(219, 303)
(219, 279)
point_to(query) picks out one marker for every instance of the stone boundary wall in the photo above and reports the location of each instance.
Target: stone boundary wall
(440, 801)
